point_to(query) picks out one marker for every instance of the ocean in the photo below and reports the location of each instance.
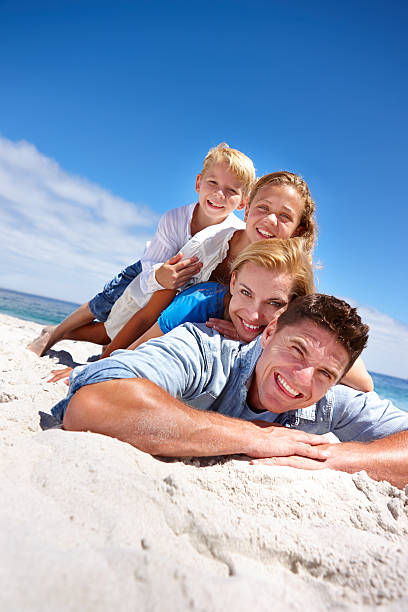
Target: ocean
(48, 311)
(34, 307)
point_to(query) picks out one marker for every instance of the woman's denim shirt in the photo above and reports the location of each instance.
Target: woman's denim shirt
(209, 372)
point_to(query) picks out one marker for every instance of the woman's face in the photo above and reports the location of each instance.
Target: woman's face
(275, 212)
(257, 296)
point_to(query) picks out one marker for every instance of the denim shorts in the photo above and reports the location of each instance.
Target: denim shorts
(102, 303)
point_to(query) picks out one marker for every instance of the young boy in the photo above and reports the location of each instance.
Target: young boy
(223, 186)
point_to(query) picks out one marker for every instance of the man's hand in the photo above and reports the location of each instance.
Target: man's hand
(382, 459)
(176, 271)
(223, 327)
(302, 463)
(283, 444)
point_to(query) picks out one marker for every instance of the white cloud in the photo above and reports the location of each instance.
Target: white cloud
(62, 235)
(387, 349)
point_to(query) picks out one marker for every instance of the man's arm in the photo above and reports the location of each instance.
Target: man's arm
(141, 413)
(384, 459)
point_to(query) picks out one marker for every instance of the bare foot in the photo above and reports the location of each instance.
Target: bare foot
(38, 345)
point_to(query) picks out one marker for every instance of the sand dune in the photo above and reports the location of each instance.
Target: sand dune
(91, 523)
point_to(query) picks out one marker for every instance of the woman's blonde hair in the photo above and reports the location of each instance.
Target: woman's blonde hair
(307, 225)
(239, 164)
(289, 256)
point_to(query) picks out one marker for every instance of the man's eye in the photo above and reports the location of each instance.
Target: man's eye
(325, 373)
(297, 350)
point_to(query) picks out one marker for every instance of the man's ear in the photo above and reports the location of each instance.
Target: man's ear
(246, 210)
(197, 186)
(269, 332)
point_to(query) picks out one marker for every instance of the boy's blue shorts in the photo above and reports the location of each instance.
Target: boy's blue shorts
(102, 303)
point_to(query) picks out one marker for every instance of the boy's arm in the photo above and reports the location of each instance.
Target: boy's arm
(172, 233)
(141, 321)
(176, 271)
(358, 377)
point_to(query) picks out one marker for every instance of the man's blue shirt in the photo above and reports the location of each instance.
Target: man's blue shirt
(209, 372)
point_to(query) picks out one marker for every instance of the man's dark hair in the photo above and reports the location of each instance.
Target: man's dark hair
(332, 314)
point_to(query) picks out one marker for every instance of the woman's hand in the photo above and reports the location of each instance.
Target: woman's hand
(60, 375)
(225, 328)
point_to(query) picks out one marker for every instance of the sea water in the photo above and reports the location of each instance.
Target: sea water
(395, 389)
(48, 311)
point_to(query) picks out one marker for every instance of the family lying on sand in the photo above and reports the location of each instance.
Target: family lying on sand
(258, 372)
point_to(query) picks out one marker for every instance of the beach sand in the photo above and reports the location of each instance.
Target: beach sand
(91, 523)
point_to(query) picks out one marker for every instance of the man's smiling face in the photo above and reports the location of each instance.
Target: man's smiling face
(298, 365)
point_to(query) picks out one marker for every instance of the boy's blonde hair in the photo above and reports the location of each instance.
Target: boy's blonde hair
(239, 164)
(308, 225)
(288, 256)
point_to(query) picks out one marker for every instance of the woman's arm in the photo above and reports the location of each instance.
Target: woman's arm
(141, 321)
(358, 377)
(153, 332)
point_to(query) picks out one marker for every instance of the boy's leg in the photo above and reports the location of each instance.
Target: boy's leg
(103, 302)
(51, 335)
(97, 308)
(92, 332)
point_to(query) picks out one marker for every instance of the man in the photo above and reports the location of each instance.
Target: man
(284, 378)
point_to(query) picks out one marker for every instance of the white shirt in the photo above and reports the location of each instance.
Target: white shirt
(210, 246)
(173, 232)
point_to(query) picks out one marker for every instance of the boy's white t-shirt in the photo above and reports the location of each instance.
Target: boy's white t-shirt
(173, 234)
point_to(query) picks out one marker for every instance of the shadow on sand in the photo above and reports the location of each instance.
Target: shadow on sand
(65, 358)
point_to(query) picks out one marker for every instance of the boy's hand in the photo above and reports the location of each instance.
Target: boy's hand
(176, 272)
(225, 328)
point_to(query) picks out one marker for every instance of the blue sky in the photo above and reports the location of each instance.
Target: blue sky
(107, 109)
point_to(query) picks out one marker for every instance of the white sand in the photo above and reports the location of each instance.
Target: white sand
(90, 523)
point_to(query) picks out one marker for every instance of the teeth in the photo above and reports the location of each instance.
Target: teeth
(265, 233)
(285, 385)
(215, 205)
(249, 326)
